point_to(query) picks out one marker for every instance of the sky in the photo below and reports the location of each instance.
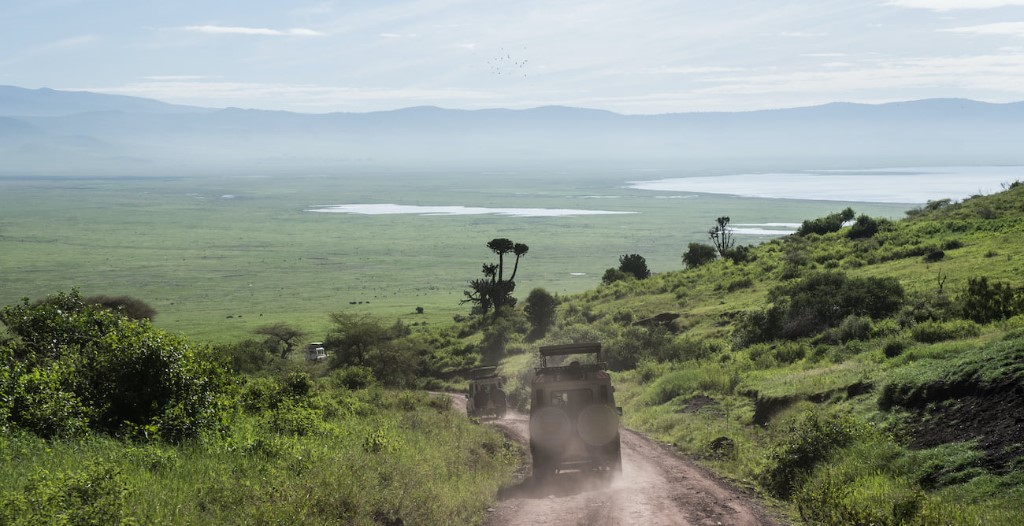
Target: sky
(632, 57)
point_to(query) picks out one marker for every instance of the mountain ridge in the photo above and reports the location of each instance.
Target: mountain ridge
(167, 137)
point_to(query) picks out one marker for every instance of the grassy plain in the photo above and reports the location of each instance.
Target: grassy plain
(220, 255)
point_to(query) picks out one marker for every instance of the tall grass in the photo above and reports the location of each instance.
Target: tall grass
(403, 457)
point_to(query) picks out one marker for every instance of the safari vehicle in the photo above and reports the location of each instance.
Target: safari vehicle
(574, 423)
(315, 352)
(486, 397)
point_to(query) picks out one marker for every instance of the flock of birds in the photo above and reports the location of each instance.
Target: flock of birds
(505, 64)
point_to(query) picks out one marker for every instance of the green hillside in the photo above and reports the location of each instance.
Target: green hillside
(857, 372)
(868, 373)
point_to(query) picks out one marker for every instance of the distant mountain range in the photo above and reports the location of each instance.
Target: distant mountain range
(54, 132)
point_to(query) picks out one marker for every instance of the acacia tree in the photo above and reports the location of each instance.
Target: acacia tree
(721, 236)
(281, 336)
(494, 291)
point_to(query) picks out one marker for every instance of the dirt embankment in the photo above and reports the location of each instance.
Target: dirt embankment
(657, 487)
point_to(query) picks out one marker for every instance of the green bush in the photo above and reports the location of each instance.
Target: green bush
(260, 394)
(864, 227)
(246, 356)
(810, 439)
(75, 361)
(938, 331)
(984, 302)
(698, 254)
(826, 224)
(353, 377)
(96, 495)
(823, 299)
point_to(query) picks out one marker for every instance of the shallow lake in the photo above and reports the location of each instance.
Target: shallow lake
(888, 185)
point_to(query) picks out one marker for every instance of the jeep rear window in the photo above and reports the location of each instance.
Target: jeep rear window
(573, 397)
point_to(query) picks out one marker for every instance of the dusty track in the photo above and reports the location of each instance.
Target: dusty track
(657, 487)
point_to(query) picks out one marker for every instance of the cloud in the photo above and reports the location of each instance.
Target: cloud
(690, 70)
(801, 34)
(1000, 28)
(70, 42)
(1002, 72)
(949, 5)
(261, 31)
(162, 78)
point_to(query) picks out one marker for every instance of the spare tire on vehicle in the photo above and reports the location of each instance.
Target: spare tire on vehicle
(550, 428)
(597, 425)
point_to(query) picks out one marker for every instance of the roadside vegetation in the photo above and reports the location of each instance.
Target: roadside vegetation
(107, 420)
(860, 371)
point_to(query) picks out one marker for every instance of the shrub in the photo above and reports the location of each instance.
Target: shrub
(824, 299)
(894, 347)
(353, 377)
(739, 254)
(260, 394)
(246, 356)
(96, 495)
(125, 374)
(634, 264)
(938, 331)
(612, 275)
(698, 254)
(825, 225)
(540, 311)
(810, 439)
(864, 227)
(984, 302)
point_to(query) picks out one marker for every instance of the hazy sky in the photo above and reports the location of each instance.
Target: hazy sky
(629, 56)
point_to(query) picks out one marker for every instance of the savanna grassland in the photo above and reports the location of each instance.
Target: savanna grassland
(865, 372)
(219, 256)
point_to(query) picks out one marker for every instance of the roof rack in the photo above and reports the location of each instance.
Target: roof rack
(486, 371)
(571, 348)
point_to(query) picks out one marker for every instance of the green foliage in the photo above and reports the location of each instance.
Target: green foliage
(93, 495)
(635, 265)
(280, 336)
(698, 254)
(133, 308)
(245, 356)
(974, 370)
(77, 363)
(504, 329)
(939, 331)
(612, 275)
(721, 236)
(864, 227)
(494, 290)
(824, 225)
(353, 377)
(821, 300)
(540, 311)
(694, 378)
(853, 327)
(984, 302)
(805, 442)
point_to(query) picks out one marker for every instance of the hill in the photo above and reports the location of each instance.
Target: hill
(141, 135)
(866, 373)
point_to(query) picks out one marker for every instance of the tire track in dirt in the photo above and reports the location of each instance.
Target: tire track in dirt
(657, 487)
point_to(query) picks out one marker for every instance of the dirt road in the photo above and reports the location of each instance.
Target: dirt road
(657, 487)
